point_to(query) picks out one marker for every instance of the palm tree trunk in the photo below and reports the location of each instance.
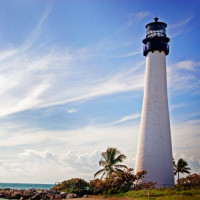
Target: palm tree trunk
(178, 175)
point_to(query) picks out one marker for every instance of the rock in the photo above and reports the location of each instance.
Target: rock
(85, 196)
(26, 195)
(36, 197)
(51, 197)
(71, 196)
(15, 195)
(1, 194)
(62, 195)
(50, 192)
(45, 191)
(40, 192)
(31, 190)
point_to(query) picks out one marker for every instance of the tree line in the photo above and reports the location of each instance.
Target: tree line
(111, 158)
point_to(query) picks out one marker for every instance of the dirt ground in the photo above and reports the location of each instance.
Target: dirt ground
(105, 197)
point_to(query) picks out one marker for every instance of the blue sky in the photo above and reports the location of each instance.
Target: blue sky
(71, 83)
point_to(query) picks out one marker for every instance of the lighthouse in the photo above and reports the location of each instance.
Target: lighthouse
(154, 152)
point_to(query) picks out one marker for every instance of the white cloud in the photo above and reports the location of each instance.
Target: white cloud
(133, 53)
(49, 167)
(181, 23)
(127, 118)
(31, 82)
(175, 106)
(49, 156)
(179, 27)
(41, 78)
(188, 65)
(181, 82)
(134, 18)
(34, 155)
(72, 110)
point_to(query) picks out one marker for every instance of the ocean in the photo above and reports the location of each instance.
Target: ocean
(25, 186)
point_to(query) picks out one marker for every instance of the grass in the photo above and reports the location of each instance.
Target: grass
(163, 194)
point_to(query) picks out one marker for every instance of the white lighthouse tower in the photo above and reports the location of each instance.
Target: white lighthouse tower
(154, 153)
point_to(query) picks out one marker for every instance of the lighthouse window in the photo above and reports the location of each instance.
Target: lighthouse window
(156, 29)
(153, 33)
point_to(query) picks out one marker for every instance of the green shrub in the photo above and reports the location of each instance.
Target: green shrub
(118, 182)
(190, 182)
(113, 191)
(74, 185)
(186, 193)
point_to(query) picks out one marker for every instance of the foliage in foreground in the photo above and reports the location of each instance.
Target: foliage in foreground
(125, 183)
(190, 182)
(74, 185)
(118, 182)
(165, 194)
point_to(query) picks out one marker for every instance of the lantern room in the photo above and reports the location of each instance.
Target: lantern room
(156, 38)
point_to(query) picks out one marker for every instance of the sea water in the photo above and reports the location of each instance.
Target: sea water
(25, 186)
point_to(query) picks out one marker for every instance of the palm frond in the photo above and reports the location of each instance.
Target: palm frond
(121, 166)
(104, 156)
(120, 158)
(103, 175)
(99, 172)
(102, 163)
(118, 170)
(111, 152)
(182, 163)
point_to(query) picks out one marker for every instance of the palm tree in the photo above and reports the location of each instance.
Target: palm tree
(181, 167)
(109, 162)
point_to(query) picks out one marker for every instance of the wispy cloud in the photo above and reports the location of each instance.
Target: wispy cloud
(130, 54)
(181, 23)
(181, 82)
(177, 28)
(32, 38)
(188, 65)
(126, 118)
(72, 110)
(38, 77)
(175, 106)
(136, 17)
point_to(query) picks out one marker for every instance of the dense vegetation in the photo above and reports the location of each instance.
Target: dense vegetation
(190, 182)
(117, 182)
(121, 181)
(74, 185)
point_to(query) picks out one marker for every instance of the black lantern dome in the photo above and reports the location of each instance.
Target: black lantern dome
(156, 38)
